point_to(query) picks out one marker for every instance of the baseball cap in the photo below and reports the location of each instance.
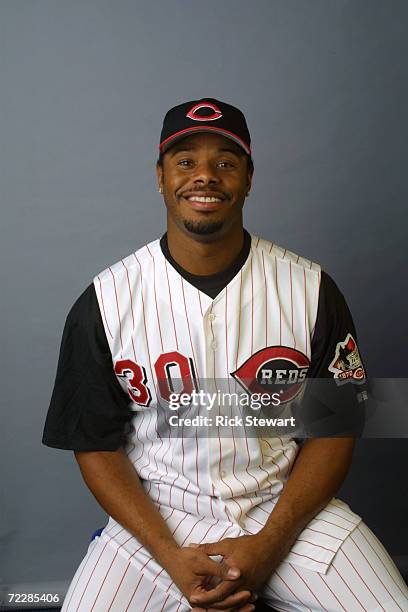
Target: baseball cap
(205, 115)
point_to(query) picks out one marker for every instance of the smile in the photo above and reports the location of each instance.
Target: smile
(204, 200)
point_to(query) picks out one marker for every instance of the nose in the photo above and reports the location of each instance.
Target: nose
(206, 174)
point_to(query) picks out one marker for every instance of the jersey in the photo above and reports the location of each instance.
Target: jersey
(151, 327)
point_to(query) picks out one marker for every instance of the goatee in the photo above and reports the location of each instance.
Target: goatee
(203, 228)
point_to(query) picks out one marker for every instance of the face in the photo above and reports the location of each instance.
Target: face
(205, 180)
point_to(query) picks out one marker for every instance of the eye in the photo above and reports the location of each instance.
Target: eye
(225, 164)
(185, 163)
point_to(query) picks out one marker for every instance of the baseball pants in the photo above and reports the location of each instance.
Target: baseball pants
(362, 576)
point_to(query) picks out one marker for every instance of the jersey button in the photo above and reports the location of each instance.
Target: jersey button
(214, 345)
(222, 473)
(211, 316)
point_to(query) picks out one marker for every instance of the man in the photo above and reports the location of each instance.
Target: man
(203, 520)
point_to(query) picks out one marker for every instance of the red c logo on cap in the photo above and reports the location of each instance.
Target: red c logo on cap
(217, 114)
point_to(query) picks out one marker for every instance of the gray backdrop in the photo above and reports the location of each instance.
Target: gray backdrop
(84, 87)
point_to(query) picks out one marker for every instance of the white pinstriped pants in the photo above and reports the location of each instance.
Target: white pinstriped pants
(362, 576)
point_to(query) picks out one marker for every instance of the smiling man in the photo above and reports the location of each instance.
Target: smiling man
(207, 208)
(212, 522)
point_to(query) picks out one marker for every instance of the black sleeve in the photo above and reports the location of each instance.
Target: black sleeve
(334, 401)
(334, 336)
(89, 410)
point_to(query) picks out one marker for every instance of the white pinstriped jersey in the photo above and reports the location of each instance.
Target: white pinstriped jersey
(155, 320)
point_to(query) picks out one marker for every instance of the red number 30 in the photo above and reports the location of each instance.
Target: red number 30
(136, 376)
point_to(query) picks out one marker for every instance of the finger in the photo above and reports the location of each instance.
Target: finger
(232, 603)
(245, 608)
(220, 599)
(210, 548)
(206, 566)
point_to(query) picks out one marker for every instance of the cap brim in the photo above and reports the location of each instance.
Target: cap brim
(171, 140)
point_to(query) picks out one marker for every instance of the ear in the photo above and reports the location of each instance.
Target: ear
(159, 174)
(249, 182)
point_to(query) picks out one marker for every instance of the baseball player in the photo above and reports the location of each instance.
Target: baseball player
(212, 520)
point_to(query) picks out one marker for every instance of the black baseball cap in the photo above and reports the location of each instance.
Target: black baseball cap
(205, 115)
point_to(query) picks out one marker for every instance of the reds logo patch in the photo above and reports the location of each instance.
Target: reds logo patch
(212, 114)
(347, 364)
(274, 369)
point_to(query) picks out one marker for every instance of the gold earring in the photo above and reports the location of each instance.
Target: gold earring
(160, 189)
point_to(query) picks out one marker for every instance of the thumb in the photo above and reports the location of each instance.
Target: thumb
(232, 572)
(220, 570)
(228, 573)
(209, 549)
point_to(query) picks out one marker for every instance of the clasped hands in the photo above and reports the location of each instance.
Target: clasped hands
(230, 584)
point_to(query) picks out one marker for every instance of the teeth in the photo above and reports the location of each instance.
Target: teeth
(202, 199)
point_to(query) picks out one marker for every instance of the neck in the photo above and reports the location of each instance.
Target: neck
(207, 257)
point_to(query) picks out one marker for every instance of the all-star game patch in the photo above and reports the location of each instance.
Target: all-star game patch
(347, 364)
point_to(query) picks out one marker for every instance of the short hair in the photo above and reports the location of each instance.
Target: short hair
(249, 161)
